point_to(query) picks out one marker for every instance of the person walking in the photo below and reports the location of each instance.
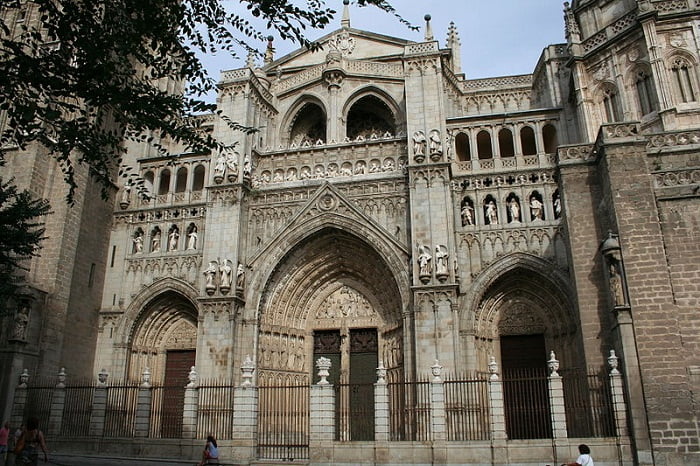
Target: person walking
(29, 443)
(4, 437)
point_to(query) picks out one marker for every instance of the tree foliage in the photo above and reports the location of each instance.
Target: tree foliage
(21, 232)
(80, 77)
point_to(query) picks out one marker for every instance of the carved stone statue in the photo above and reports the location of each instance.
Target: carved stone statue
(220, 168)
(138, 243)
(247, 167)
(535, 208)
(557, 206)
(424, 258)
(491, 213)
(124, 200)
(419, 142)
(192, 238)
(240, 277)
(225, 272)
(232, 165)
(21, 321)
(514, 207)
(155, 242)
(467, 215)
(441, 260)
(173, 239)
(435, 142)
(616, 289)
(210, 276)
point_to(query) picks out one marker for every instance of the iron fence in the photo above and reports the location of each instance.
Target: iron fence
(588, 403)
(77, 410)
(283, 422)
(167, 403)
(215, 410)
(120, 411)
(409, 411)
(354, 412)
(467, 408)
(526, 404)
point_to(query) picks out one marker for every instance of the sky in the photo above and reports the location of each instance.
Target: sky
(498, 37)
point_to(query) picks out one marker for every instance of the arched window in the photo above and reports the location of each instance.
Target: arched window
(505, 143)
(684, 79)
(370, 117)
(549, 137)
(198, 181)
(309, 125)
(611, 104)
(181, 180)
(462, 147)
(527, 141)
(483, 145)
(164, 184)
(149, 180)
(646, 92)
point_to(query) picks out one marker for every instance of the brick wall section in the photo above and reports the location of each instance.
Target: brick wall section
(656, 317)
(581, 197)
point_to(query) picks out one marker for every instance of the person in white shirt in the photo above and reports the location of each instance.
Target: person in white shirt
(584, 458)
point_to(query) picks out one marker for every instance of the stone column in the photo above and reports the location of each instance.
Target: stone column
(245, 415)
(556, 399)
(17, 418)
(99, 405)
(191, 403)
(322, 416)
(143, 405)
(438, 417)
(381, 406)
(497, 410)
(58, 401)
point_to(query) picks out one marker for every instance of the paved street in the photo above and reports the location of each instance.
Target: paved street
(56, 459)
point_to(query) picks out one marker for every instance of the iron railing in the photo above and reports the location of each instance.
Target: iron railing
(526, 404)
(283, 422)
(215, 410)
(120, 412)
(588, 403)
(409, 411)
(354, 412)
(77, 410)
(467, 408)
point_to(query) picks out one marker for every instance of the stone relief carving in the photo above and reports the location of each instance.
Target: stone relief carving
(345, 302)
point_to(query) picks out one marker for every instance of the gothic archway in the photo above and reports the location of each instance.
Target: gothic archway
(331, 282)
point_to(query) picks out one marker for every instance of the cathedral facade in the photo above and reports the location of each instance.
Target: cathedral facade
(389, 211)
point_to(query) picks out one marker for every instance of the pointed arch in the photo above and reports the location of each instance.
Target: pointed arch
(305, 121)
(379, 104)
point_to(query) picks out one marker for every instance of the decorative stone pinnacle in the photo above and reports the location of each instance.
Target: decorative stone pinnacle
(247, 370)
(428, 29)
(436, 370)
(345, 21)
(323, 364)
(146, 378)
(493, 368)
(270, 51)
(381, 373)
(24, 378)
(61, 378)
(102, 377)
(553, 365)
(613, 363)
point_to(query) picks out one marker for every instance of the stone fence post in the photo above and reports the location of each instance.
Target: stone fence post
(58, 401)
(438, 416)
(556, 398)
(99, 405)
(381, 406)
(322, 416)
(618, 397)
(245, 415)
(497, 410)
(190, 406)
(143, 405)
(17, 416)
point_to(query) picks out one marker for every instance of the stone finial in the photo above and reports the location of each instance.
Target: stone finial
(493, 368)
(146, 378)
(323, 364)
(436, 370)
(270, 51)
(572, 31)
(613, 363)
(553, 365)
(23, 378)
(428, 29)
(345, 21)
(102, 377)
(247, 369)
(192, 378)
(381, 374)
(250, 59)
(61, 378)
(455, 44)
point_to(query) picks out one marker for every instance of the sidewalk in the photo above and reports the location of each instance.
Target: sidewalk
(57, 459)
